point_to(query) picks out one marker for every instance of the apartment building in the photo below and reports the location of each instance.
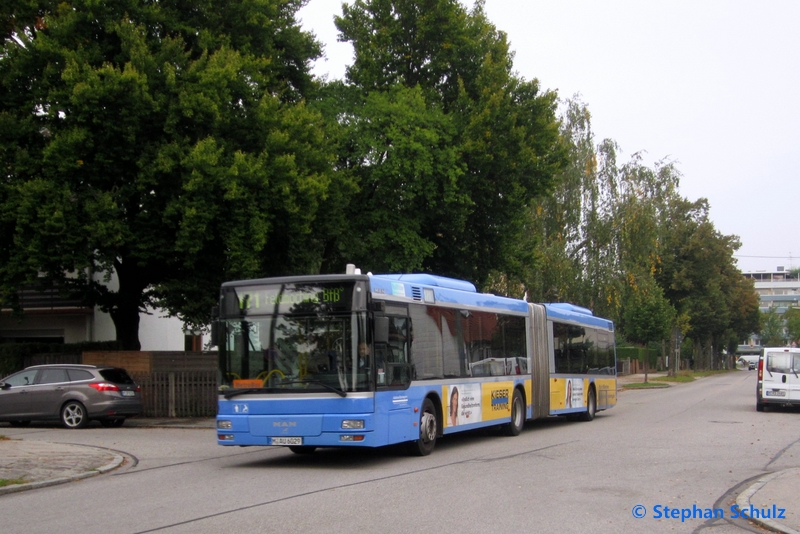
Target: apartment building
(50, 318)
(777, 289)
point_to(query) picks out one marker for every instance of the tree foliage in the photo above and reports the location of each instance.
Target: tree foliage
(172, 146)
(446, 146)
(611, 226)
(792, 320)
(166, 143)
(648, 315)
(772, 329)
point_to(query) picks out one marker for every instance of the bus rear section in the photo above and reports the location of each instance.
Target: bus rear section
(778, 378)
(582, 361)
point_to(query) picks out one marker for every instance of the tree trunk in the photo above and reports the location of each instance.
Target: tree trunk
(126, 323)
(127, 302)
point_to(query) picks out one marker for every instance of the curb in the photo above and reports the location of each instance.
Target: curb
(15, 488)
(653, 386)
(743, 501)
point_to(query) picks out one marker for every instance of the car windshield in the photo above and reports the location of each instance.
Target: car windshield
(295, 353)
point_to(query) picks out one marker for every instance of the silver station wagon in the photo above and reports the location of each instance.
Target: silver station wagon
(72, 394)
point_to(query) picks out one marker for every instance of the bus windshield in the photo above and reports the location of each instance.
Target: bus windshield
(294, 353)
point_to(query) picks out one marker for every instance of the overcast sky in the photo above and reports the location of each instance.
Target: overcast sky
(713, 85)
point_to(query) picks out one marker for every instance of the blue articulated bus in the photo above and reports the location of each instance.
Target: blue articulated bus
(373, 360)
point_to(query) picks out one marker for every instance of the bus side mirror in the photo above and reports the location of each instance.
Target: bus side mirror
(381, 330)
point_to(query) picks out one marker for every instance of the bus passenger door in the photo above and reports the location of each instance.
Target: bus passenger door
(394, 376)
(392, 355)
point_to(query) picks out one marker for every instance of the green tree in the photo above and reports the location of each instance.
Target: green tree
(163, 143)
(792, 318)
(436, 113)
(699, 277)
(743, 303)
(772, 329)
(648, 316)
(604, 221)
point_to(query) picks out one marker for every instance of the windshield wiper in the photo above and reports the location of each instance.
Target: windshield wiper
(229, 394)
(338, 391)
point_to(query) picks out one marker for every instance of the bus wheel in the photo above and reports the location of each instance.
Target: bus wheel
(591, 406)
(298, 449)
(517, 415)
(428, 429)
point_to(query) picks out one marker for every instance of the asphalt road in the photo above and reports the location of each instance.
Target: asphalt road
(690, 445)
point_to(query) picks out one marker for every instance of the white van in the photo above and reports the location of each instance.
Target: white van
(778, 377)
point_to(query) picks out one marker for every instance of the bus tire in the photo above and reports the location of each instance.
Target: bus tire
(302, 449)
(428, 430)
(514, 427)
(591, 406)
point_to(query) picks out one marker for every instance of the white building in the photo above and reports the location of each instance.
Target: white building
(776, 289)
(49, 318)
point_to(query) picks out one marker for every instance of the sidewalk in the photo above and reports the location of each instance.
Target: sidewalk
(770, 494)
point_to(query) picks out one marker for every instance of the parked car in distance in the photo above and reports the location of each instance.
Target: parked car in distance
(72, 394)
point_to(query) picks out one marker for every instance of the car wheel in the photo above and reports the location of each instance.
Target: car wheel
(73, 415)
(19, 424)
(113, 423)
(759, 407)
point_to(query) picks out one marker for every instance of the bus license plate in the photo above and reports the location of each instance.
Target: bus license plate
(287, 441)
(776, 393)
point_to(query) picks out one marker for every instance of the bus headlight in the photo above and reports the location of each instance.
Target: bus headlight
(225, 425)
(353, 424)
